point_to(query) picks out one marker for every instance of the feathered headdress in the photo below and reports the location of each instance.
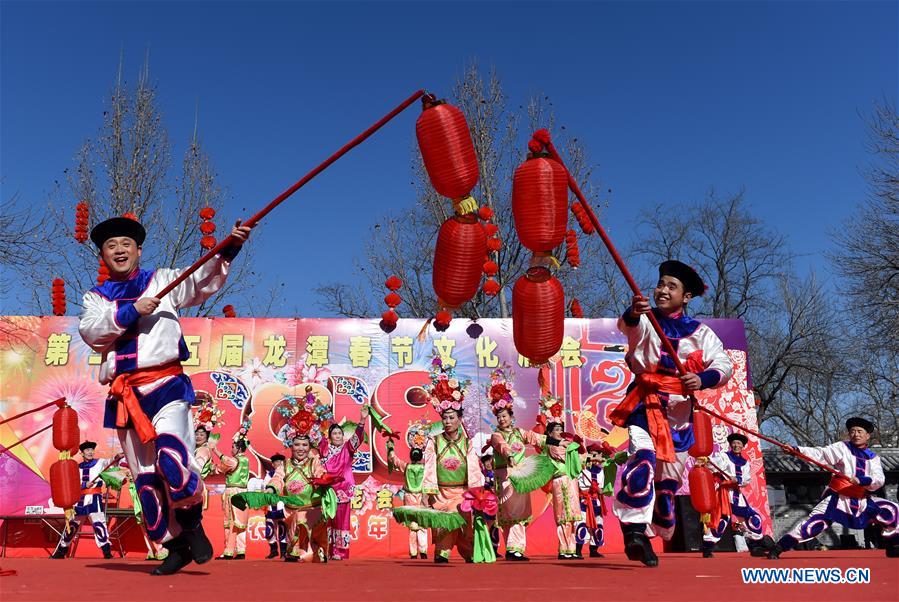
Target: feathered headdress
(445, 392)
(500, 391)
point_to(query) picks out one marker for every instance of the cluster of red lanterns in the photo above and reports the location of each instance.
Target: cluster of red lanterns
(102, 272)
(572, 252)
(582, 219)
(540, 213)
(702, 482)
(58, 297)
(207, 227)
(82, 216)
(463, 245)
(65, 481)
(576, 310)
(392, 300)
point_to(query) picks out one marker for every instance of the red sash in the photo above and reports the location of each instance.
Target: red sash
(649, 385)
(128, 405)
(843, 486)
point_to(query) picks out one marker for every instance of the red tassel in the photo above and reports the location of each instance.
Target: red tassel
(535, 146)
(491, 287)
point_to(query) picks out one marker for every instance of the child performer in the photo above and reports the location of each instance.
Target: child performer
(593, 487)
(275, 526)
(236, 469)
(337, 458)
(848, 501)
(657, 410)
(414, 473)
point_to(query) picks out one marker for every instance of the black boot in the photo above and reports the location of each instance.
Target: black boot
(178, 558)
(594, 552)
(759, 549)
(272, 551)
(892, 551)
(191, 521)
(107, 552)
(637, 547)
(579, 551)
(59, 553)
(707, 549)
(423, 555)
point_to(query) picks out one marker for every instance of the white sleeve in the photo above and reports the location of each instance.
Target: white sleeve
(199, 286)
(829, 455)
(98, 325)
(876, 474)
(715, 357)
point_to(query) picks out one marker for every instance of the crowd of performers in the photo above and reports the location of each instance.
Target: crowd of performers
(471, 497)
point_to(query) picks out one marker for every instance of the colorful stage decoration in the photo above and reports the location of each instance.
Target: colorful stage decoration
(249, 368)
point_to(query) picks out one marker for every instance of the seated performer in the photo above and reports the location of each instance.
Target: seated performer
(850, 504)
(337, 456)
(139, 339)
(236, 469)
(743, 518)
(91, 504)
(451, 464)
(414, 473)
(275, 527)
(657, 411)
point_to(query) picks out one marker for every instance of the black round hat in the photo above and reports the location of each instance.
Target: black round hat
(692, 282)
(87, 445)
(738, 437)
(859, 421)
(118, 226)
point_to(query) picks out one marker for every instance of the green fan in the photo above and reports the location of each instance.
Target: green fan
(259, 500)
(532, 473)
(114, 477)
(428, 518)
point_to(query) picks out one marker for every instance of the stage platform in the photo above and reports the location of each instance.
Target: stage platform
(679, 577)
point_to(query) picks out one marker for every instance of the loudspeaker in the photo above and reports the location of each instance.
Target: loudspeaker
(688, 530)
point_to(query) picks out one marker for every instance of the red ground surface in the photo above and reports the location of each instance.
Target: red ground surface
(680, 577)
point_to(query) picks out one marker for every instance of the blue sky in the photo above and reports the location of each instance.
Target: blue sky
(670, 98)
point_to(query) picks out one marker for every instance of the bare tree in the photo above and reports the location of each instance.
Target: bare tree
(402, 243)
(127, 168)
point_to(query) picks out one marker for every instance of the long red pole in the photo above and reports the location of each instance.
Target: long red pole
(252, 221)
(58, 402)
(669, 348)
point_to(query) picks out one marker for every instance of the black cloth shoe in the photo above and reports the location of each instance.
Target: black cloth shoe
(516, 557)
(594, 552)
(707, 554)
(423, 556)
(239, 557)
(272, 551)
(178, 558)
(290, 558)
(107, 553)
(438, 559)
(59, 553)
(199, 545)
(637, 547)
(413, 556)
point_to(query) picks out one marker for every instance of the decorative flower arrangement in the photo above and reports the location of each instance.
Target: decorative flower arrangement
(301, 372)
(500, 391)
(306, 415)
(417, 433)
(243, 432)
(446, 391)
(208, 415)
(552, 407)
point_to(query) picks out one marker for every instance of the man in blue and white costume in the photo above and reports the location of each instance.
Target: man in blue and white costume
(848, 502)
(743, 517)
(139, 338)
(91, 504)
(657, 410)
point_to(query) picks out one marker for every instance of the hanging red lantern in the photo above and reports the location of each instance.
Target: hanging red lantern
(66, 434)
(207, 227)
(207, 213)
(491, 287)
(447, 152)
(58, 296)
(703, 444)
(65, 483)
(538, 315)
(393, 283)
(582, 219)
(102, 272)
(82, 216)
(228, 311)
(207, 241)
(539, 203)
(442, 320)
(702, 489)
(458, 260)
(390, 318)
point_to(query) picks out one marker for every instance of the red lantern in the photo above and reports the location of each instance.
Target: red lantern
(228, 310)
(390, 318)
(581, 214)
(458, 260)
(538, 315)
(58, 296)
(65, 483)
(539, 203)
(491, 287)
(393, 283)
(576, 310)
(207, 242)
(702, 435)
(207, 213)
(392, 300)
(702, 489)
(447, 151)
(102, 272)
(66, 435)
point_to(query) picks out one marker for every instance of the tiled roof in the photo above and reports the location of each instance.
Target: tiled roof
(778, 461)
